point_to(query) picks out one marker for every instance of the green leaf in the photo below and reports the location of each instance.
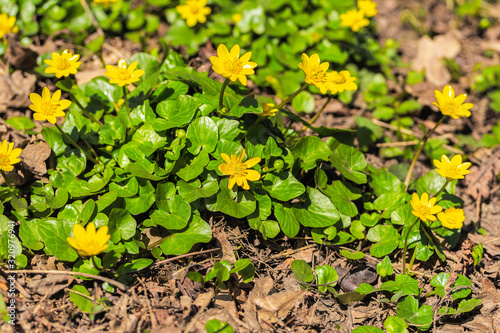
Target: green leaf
(217, 326)
(134, 266)
(73, 160)
(384, 268)
(386, 238)
(403, 215)
(231, 202)
(245, 269)
(309, 150)
(395, 324)
(439, 283)
(341, 194)
(196, 167)
(54, 234)
(121, 225)
(194, 190)
(357, 229)
(21, 123)
(463, 306)
(220, 271)
(145, 199)
(477, 253)
(203, 134)
(408, 309)
(29, 234)
(384, 182)
(304, 102)
(365, 288)
(287, 220)
(352, 255)
(85, 304)
(302, 271)
(181, 241)
(175, 113)
(282, 186)
(325, 274)
(349, 162)
(176, 216)
(409, 286)
(317, 211)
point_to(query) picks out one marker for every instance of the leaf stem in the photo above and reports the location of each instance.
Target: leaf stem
(419, 150)
(221, 96)
(127, 106)
(441, 189)
(5, 178)
(313, 119)
(88, 114)
(73, 143)
(292, 96)
(406, 246)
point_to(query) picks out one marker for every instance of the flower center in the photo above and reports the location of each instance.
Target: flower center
(339, 79)
(49, 108)
(4, 161)
(236, 168)
(317, 74)
(63, 64)
(233, 66)
(194, 9)
(123, 75)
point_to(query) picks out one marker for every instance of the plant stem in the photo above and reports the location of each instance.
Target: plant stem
(292, 96)
(406, 246)
(313, 119)
(95, 264)
(127, 106)
(442, 188)
(221, 96)
(412, 260)
(91, 149)
(419, 150)
(5, 178)
(73, 143)
(88, 114)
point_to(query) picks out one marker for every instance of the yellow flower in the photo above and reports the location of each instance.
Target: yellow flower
(230, 65)
(237, 171)
(8, 155)
(451, 106)
(63, 64)
(340, 81)
(268, 109)
(354, 19)
(424, 208)
(194, 11)
(368, 7)
(48, 108)
(452, 218)
(7, 25)
(89, 242)
(236, 18)
(315, 71)
(122, 74)
(453, 169)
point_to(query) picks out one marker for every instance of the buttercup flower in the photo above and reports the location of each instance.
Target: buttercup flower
(236, 18)
(354, 19)
(368, 7)
(123, 75)
(424, 208)
(88, 242)
(48, 108)
(453, 169)
(237, 171)
(315, 71)
(452, 218)
(268, 109)
(450, 105)
(340, 81)
(62, 64)
(230, 65)
(7, 25)
(8, 155)
(194, 11)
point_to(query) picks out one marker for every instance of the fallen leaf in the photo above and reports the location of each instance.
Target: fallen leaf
(34, 156)
(49, 285)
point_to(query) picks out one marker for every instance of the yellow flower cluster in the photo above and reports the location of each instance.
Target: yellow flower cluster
(356, 19)
(317, 75)
(230, 65)
(194, 11)
(237, 170)
(450, 105)
(7, 25)
(123, 75)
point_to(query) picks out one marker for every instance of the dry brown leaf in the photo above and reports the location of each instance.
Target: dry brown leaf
(430, 53)
(34, 156)
(274, 306)
(15, 89)
(227, 249)
(49, 285)
(490, 297)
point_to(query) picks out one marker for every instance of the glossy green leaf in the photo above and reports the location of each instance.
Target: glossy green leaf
(302, 271)
(317, 211)
(350, 162)
(282, 186)
(181, 241)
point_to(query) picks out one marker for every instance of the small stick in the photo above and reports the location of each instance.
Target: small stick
(158, 263)
(50, 271)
